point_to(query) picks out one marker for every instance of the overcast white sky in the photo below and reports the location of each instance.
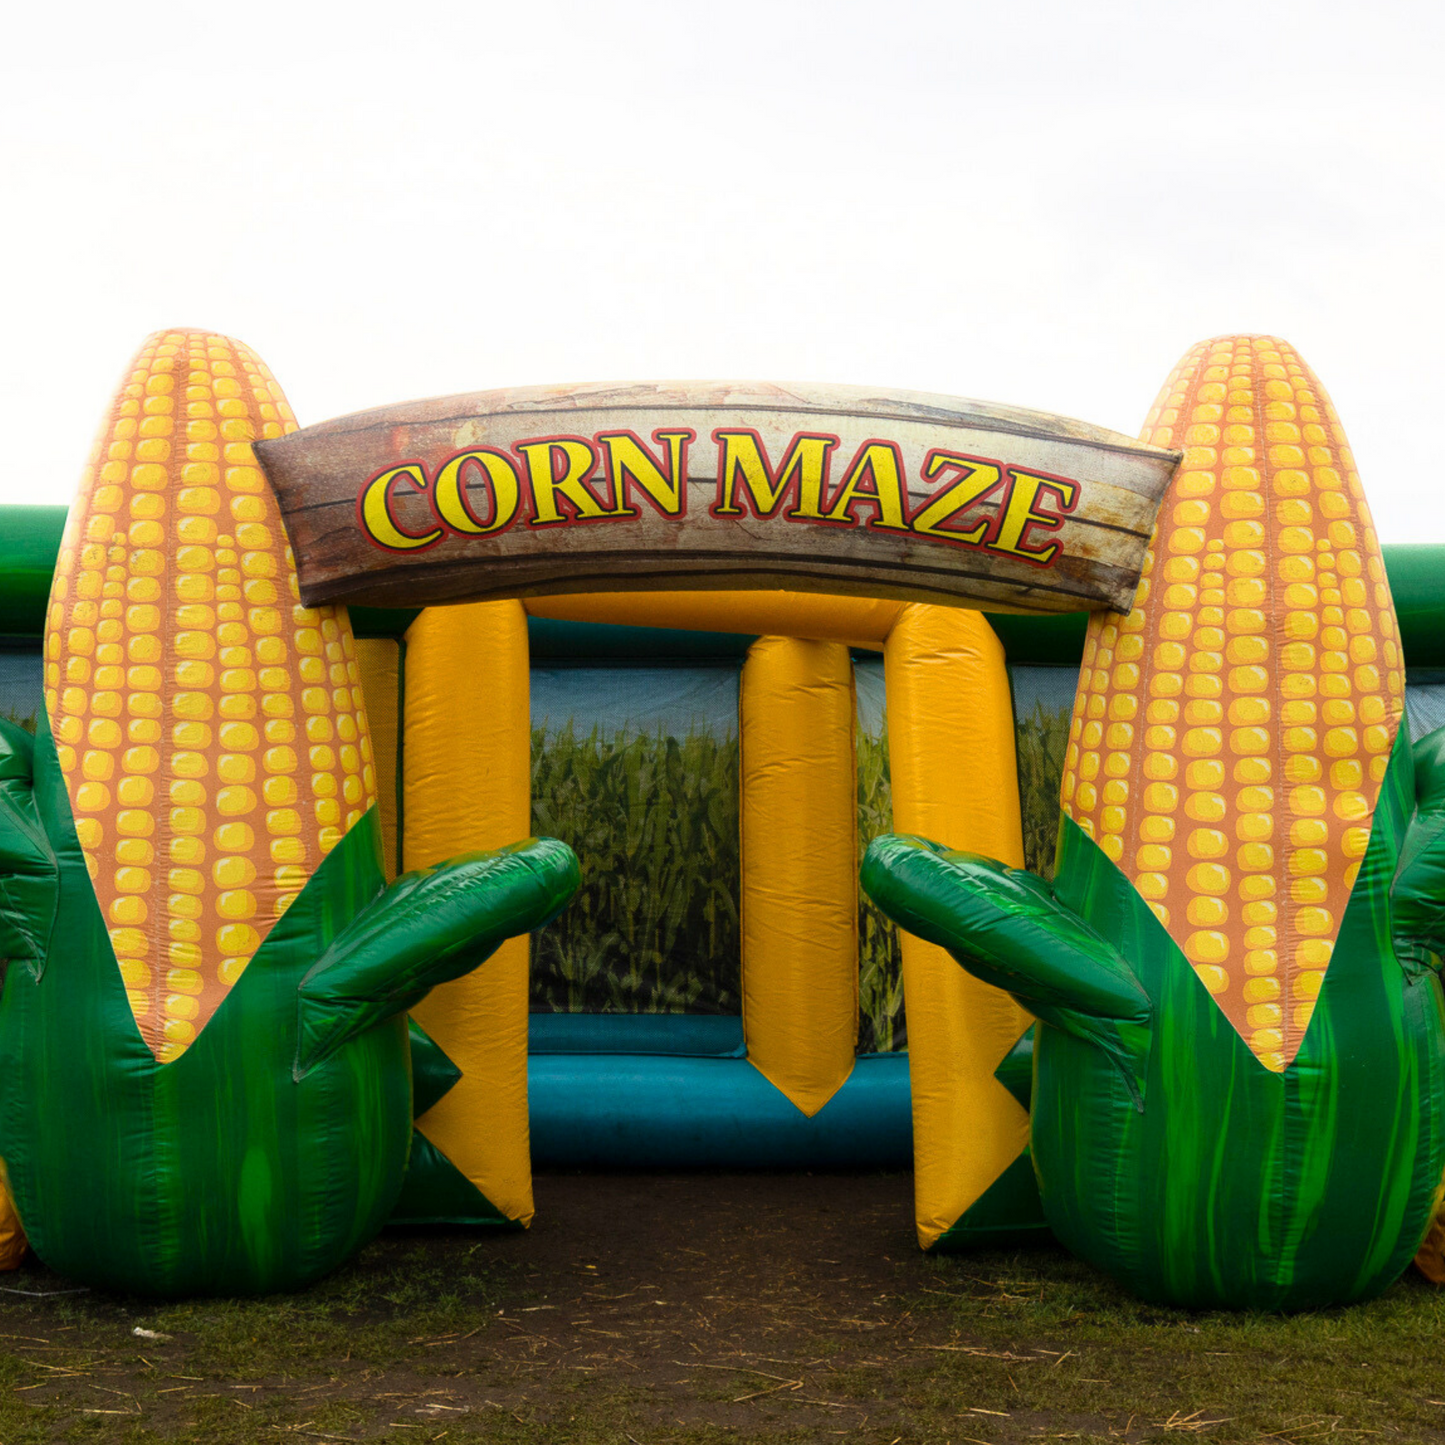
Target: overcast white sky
(1042, 204)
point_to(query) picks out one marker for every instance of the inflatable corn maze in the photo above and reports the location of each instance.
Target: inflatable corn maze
(389, 805)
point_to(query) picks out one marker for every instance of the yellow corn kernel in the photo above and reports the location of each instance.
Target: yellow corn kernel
(181, 1006)
(233, 872)
(235, 767)
(135, 975)
(237, 938)
(234, 801)
(1263, 1016)
(1261, 989)
(179, 1031)
(1214, 978)
(1207, 947)
(236, 903)
(1208, 878)
(92, 797)
(1207, 912)
(231, 969)
(128, 908)
(184, 905)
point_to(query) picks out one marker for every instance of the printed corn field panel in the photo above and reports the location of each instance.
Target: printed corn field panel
(1043, 702)
(1424, 701)
(21, 686)
(637, 768)
(882, 1020)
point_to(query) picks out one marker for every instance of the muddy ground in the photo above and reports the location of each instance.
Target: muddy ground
(757, 1307)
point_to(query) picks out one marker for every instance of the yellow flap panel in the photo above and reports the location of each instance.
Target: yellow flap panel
(466, 783)
(951, 753)
(799, 867)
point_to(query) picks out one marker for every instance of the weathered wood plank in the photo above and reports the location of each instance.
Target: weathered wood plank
(716, 484)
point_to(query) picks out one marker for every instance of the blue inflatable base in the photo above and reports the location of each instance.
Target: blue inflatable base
(644, 1111)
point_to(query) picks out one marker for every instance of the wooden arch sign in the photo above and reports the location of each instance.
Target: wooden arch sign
(672, 485)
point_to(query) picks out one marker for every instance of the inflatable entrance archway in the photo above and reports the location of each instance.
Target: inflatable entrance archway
(162, 858)
(948, 699)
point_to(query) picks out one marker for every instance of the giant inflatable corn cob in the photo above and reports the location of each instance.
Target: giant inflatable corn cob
(1240, 1086)
(207, 1083)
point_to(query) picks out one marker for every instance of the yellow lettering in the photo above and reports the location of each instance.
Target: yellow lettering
(376, 516)
(876, 476)
(976, 479)
(499, 477)
(1019, 514)
(805, 468)
(578, 461)
(629, 463)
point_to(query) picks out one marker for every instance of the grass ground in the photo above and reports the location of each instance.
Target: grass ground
(743, 1308)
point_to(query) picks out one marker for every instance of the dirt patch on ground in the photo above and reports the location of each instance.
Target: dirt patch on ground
(736, 1287)
(723, 1301)
(756, 1307)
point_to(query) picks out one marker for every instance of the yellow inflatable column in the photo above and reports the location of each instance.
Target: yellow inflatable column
(951, 754)
(799, 824)
(466, 784)
(379, 659)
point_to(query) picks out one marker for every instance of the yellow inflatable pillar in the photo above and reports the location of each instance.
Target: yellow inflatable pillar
(951, 754)
(466, 784)
(799, 827)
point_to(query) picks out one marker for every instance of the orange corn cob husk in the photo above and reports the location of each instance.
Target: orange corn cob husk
(1231, 733)
(210, 729)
